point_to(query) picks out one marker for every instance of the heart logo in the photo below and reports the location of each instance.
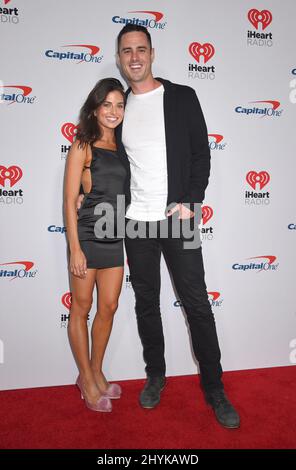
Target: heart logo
(67, 300)
(12, 173)
(261, 178)
(197, 50)
(207, 214)
(69, 131)
(264, 17)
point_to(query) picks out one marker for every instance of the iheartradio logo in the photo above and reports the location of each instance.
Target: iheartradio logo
(201, 53)
(198, 50)
(9, 176)
(263, 19)
(67, 300)
(257, 17)
(12, 174)
(207, 214)
(9, 15)
(253, 179)
(69, 131)
(257, 181)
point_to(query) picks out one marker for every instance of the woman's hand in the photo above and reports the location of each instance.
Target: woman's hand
(78, 265)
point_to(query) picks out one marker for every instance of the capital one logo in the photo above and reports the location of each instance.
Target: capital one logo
(265, 108)
(263, 17)
(12, 174)
(67, 300)
(271, 111)
(261, 263)
(253, 179)
(216, 142)
(214, 295)
(149, 22)
(25, 271)
(157, 14)
(69, 131)
(215, 299)
(89, 56)
(217, 137)
(206, 51)
(15, 96)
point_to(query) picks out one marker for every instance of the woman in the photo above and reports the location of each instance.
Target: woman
(93, 161)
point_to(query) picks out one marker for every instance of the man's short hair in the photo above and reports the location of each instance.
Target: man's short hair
(130, 28)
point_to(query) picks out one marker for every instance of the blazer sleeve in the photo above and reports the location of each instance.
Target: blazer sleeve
(200, 152)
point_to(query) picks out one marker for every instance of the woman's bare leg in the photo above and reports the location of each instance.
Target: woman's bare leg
(82, 292)
(109, 282)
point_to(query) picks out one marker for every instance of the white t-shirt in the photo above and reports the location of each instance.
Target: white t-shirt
(143, 136)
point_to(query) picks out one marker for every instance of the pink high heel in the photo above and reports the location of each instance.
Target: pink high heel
(113, 392)
(102, 404)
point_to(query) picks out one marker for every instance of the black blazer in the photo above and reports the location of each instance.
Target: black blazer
(188, 154)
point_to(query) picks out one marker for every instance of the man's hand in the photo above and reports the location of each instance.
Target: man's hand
(79, 201)
(184, 212)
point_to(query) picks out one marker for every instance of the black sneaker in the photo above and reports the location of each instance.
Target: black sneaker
(150, 395)
(223, 409)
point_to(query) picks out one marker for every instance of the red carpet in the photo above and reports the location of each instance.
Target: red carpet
(56, 418)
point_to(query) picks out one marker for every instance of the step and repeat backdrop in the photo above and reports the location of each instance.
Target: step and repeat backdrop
(239, 57)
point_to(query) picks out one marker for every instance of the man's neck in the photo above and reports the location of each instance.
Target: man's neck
(150, 84)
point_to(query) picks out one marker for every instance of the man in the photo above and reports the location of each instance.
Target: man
(165, 138)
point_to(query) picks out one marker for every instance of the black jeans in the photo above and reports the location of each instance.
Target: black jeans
(187, 271)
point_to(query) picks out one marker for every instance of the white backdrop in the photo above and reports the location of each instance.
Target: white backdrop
(249, 214)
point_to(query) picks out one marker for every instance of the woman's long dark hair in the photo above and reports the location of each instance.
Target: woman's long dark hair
(88, 130)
